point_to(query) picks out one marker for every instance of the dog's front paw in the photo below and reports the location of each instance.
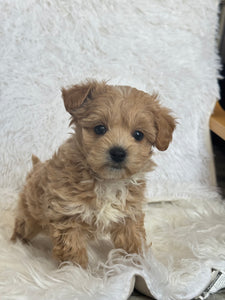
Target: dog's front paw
(76, 256)
(129, 236)
(70, 245)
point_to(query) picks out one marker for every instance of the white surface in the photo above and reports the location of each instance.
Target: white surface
(168, 47)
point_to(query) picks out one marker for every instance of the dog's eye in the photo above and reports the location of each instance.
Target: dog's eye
(100, 129)
(138, 135)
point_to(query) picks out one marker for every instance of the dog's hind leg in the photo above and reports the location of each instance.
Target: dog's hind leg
(25, 229)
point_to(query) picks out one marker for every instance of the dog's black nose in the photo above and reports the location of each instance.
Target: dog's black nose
(117, 154)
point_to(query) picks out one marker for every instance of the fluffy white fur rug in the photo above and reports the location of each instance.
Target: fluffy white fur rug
(163, 46)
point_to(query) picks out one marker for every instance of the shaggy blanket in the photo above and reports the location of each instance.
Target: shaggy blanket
(168, 47)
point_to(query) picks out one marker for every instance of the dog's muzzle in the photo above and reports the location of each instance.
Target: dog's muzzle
(117, 154)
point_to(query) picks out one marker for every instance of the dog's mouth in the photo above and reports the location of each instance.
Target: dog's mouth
(116, 167)
(112, 170)
(117, 171)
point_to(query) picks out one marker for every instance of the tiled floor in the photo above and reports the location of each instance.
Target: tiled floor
(219, 156)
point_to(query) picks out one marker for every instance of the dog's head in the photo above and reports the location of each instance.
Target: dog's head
(117, 126)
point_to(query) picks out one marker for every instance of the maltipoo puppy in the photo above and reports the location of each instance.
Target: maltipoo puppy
(94, 184)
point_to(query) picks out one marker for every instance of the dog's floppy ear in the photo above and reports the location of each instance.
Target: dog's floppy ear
(75, 96)
(165, 124)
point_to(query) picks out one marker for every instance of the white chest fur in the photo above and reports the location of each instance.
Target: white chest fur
(109, 206)
(111, 203)
(111, 199)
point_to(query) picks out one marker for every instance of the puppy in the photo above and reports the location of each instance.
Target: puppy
(94, 184)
